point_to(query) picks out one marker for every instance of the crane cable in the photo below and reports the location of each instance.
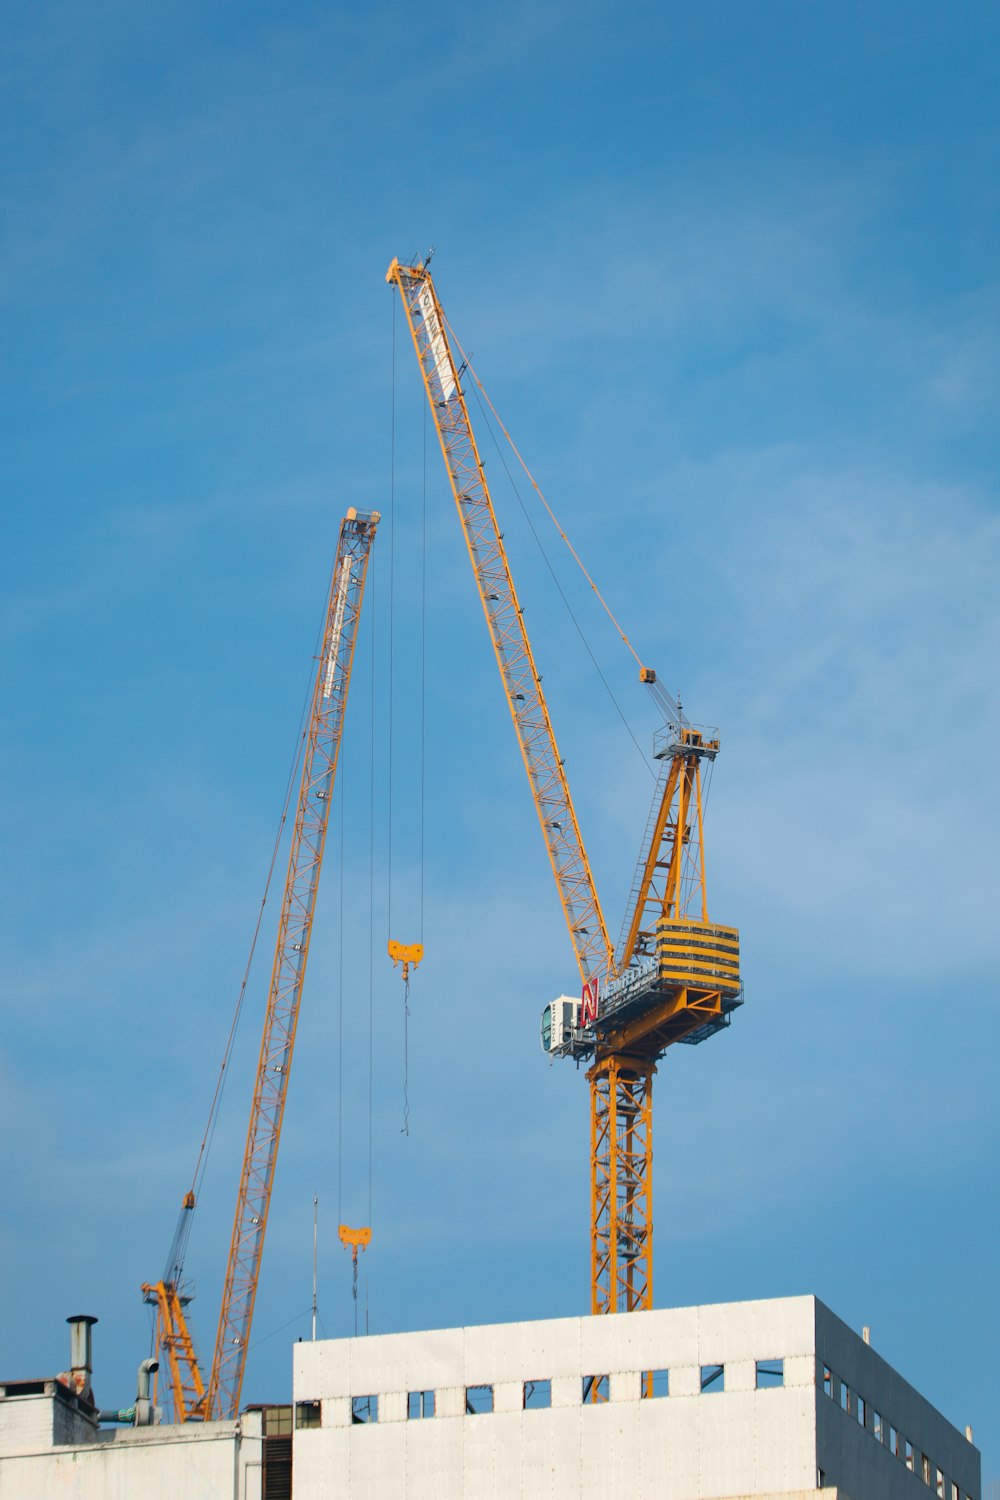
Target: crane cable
(548, 563)
(205, 1148)
(405, 1128)
(537, 488)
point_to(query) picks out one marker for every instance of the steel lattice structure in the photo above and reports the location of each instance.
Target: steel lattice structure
(291, 953)
(192, 1398)
(528, 708)
(676, 975)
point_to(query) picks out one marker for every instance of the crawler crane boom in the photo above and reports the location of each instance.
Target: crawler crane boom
(675, 976)
(193, 1398)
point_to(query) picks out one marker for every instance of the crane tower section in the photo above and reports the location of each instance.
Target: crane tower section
(677, 979)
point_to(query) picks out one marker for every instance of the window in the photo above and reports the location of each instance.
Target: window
(878, 1427)
(277, 1421)
(656, 1383)
(537, 1394)
(478, 1399)
(861, 1411)
(893, 1441)
(908, 1453)
(419, 1404)
(596, 1388)
(713, 1378)
(925, 1468)
(770, 1373)
(308, 1414)
(845, 1396)
(939, 1482)
(827, 1383)
(364, 1409)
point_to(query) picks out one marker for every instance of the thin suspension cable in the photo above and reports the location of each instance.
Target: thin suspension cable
(537, 488)
(392, 597)
(205, 1149)
(423, 668)
(555, 580)
(371, 906)
(340, 1013)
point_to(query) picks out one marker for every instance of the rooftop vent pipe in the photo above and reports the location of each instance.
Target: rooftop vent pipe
(142, 1412)
(81, 1361)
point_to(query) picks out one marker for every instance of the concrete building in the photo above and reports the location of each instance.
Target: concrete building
(724, 1402)
(762, 1399)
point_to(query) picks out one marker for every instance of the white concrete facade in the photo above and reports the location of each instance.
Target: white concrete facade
(774, 1400)
(712, 1437)
(49, 1447)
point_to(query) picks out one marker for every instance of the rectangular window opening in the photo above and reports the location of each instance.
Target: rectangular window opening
(277, 1421)
(419, 1404)
(478, 1400)
(656, 1383)
(308, 1414)
(827, 1381)
(845, 1396)
(537, 1394)
(770, 1373)
(939, 1482)
(908, 1453)
(364, 1409)
(861, 1411)
(713, 1379)
(878, 1427)
(596, 1388)
(893, 1441)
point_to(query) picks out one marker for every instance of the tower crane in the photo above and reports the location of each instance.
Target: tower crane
(674, 974)
(194, 1398)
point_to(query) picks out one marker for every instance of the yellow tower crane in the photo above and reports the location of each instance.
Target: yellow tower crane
(674, 976)
(193, 1398)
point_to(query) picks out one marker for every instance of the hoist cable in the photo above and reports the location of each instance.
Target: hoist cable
(537, 488)
(392, 596)
(555, 578)
(204, 1150)
(423, 670)
(340, 1014)
(371, 894)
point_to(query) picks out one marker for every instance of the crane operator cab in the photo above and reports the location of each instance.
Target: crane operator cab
(559, 1018)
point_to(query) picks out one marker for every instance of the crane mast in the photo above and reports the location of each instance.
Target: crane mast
(219, 1398)
(675, 976)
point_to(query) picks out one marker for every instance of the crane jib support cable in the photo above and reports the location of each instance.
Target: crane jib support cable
(291, 953)
(525, 698)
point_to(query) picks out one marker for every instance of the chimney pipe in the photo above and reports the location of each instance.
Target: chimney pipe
(81, 1344)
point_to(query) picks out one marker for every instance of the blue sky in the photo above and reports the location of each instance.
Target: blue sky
(729, 274)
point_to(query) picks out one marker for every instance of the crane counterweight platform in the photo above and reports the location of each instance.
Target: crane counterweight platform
(674, 976)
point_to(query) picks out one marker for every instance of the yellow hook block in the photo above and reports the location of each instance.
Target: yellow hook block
(405, 954)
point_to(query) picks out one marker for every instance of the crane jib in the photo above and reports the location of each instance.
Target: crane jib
(291, 952)
(522, 683)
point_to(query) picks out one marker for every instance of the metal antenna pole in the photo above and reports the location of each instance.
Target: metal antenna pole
(315, 1218)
